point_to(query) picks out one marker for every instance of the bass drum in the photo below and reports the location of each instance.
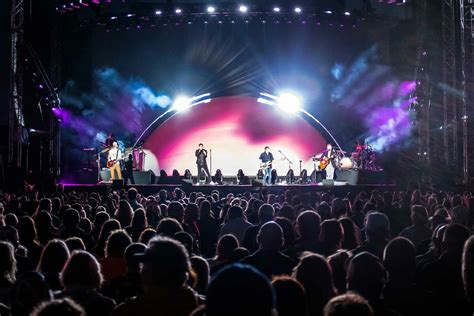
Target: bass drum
(347, 163)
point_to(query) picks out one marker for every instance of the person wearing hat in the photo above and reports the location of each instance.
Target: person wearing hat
(377, 233)
(164, 273)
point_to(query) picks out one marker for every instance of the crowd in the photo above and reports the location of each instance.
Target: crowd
(256, 253)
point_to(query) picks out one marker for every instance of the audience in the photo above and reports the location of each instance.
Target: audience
(264, 252)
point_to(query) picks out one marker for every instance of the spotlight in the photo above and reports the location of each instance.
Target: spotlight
(113, 18)
(243, 8)
(347, 13)
(276, 9)
(328, 12)
(181, 103)
(289, 102)
(211, 9)
(298, 10)
(130, 15)
(178, 11)
(158, 12)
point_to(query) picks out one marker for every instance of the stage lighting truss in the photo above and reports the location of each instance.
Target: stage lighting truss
(124, 16)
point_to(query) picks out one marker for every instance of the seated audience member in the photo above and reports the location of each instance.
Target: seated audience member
(113, 265)
(45, 228)
(165, 272)
(308, 227)
(82, 279)
(460, 215)
(124, 213)
(168, 227)
(132, 195)
(419, 231)
(236, 225)
(75, 243)
(367, 277)
(129, 284)
(443, 277)
(289, 233)
(401, 293)
(269, 259)
(225, 246)
(108, 227)
(349, 304)
(28, 238)
(468, 270)
(139, 223)
(7, 270)
(265, 214)
(331, 237)
(29, 290)
(338, 263)
(315, 274)
(377, 231)
(351, 233)
(53, 258)
(202, 274)
(71, 220)
(146, 235)
(290, 297)
(239, 290)
(208, 229)
(62, 307)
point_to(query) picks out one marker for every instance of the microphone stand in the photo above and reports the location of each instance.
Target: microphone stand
(286, 158)
(210, 161)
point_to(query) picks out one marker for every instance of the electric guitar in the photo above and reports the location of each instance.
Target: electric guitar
(111, 163)
(324, 162)
(265, 165)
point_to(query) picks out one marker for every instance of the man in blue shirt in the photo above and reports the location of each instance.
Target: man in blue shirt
(266, 157)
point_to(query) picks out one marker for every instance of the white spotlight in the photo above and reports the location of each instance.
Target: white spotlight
(298, 10)
(289, 102)
(347, 13)
(276, 9)
(328, 12)
(243, 8)
(181, 103)
(158, 12)
(178, 11)
(211, 9)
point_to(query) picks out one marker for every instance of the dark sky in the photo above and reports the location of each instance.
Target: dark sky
(4, 59)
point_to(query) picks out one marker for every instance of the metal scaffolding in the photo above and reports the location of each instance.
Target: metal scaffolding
(16, 121)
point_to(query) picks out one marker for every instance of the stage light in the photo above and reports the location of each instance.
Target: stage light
(158, 12)
(211, 9)
(181, 103)
(113, 18)
(178, 11)
(298, 10)
(130, 15)
(289, 102)
(328, 12)
(243, 8)
(347, 13)
(276, 9)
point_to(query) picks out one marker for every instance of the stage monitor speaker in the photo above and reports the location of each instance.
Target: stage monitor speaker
(186, 183)
(328, 182)
(117, 184)
(257, 183)
(143, 177)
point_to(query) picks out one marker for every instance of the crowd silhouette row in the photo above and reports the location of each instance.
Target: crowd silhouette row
(287, 253)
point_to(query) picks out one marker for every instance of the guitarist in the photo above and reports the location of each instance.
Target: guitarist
(329, 155)
(113, 161)
(267, 158)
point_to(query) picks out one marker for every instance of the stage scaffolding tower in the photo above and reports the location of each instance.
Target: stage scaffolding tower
(15, 119)
(457, 41)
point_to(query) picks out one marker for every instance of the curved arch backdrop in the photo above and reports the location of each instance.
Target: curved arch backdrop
(236, 129)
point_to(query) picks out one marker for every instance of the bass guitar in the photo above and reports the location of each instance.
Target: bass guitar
(265, 165)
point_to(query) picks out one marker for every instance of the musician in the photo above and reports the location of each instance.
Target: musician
(267, 158)
(115, 155)
(201, 162)
(128, 171)
(331, 155)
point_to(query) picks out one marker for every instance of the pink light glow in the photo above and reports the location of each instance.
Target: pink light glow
(236, 129)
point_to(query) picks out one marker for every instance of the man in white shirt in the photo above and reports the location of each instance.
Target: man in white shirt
(113, 161)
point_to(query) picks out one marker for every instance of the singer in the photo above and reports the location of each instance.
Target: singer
(201, 162)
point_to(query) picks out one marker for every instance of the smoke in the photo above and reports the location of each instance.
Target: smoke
(115, 104)
(381, 100)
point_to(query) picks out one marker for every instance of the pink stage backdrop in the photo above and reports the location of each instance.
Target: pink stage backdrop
(236, 129)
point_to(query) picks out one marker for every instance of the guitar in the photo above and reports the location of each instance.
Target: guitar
(324, 162)
(111, 163)
(265, 165)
